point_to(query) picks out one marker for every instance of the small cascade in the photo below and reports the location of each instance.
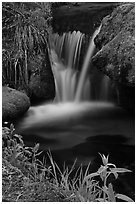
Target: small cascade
(86, 63)
(67, 47)
(73, 85)
(65, 53)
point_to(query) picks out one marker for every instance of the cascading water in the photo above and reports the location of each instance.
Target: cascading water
(73, 87)
(80, 109)
(80, 122)
(82, 79)
(71, 84)
(65, 54)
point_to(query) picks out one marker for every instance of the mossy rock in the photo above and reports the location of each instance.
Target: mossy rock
(116, 55)
(116, 43)
(41, 82)
(14, 103)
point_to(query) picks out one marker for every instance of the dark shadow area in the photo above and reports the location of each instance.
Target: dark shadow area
(81, 16)
(123, 156)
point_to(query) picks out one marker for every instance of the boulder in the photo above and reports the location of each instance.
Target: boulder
(41, 80)
(116, 44)
(14, 103)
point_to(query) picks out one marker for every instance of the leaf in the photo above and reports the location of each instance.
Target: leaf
(120, 170)
(17, 155)
(101, 176)
(101, 169)
(80, 197)
(105, 189)
(35, 149)
(100, 199)
(8, 143)
(115, 174)
(21, 141)
(39, 153)
(28, 152)
(12, 127)
(17, 136)
(18, 147)
(90, 176)
(124, 197)
(110, 164)
(111, 195)
(104, 159)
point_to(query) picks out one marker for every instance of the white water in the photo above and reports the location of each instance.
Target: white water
(73, 117)
(73, 88)
(65, 53)
(72, 84)
(69, 124)
(82, 79)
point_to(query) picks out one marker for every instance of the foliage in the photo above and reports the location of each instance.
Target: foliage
(20, 156)
(25, 29)
(84, 188)
(70, 184)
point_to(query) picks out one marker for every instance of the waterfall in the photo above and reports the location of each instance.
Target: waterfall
(82, 78)
(65, 54)
(72, 84)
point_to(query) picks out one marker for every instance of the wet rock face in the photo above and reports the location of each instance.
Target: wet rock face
(116, 55)
(41, 80)
(14, 103)
(116, 42)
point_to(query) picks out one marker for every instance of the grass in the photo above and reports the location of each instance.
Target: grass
(26, 178)
(25, 29)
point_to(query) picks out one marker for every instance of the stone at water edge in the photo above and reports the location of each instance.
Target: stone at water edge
(14, 103)
(116, 55)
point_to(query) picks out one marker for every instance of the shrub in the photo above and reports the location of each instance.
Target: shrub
(25, 30)
(81, 187)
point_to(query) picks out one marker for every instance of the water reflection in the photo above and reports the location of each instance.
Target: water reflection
(72, 123)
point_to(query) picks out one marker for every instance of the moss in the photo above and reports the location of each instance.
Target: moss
(117, 43)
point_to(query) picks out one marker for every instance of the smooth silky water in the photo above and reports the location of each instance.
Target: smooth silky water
(81, 121)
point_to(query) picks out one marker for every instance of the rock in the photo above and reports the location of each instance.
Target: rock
(116, 43)
(14, 103)
(41, 82)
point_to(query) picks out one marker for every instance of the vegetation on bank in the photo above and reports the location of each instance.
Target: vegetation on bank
(25, 28)
(26, 178)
